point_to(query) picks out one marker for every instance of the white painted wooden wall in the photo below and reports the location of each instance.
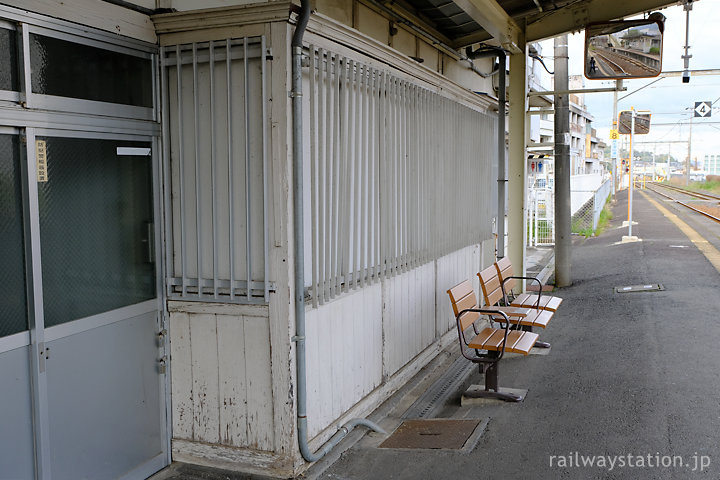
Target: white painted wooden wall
(360, 340)
(221, 377)
(344, 360)
(221, 368)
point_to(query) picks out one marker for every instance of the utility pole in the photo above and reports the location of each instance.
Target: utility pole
(563, 229)
(653, 157)
(687, 6)
(687, 163)
(615, 148)
(630, 166)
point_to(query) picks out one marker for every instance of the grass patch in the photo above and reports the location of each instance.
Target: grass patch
(709, 186)
(603, 221)
(605, 217)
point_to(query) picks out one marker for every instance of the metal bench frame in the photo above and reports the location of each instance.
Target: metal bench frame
(487, 362)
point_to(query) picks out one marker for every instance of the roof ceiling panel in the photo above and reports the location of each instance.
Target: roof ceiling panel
(545, 18)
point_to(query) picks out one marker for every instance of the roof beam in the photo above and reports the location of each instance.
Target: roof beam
(576, 17)
(493, 19)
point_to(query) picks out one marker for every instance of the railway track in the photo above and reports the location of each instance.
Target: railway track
(617, 69)
(615, 61)
(701, 196)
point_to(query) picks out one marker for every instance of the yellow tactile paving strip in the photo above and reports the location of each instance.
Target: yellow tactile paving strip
(710, 252)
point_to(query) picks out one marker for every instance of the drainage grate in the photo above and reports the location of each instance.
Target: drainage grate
(435, 397)
(653, 287)
(432, 434)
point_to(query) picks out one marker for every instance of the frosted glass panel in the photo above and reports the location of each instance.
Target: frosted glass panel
(8, 60)
(69, 69)
(96, 227)
(13, 316)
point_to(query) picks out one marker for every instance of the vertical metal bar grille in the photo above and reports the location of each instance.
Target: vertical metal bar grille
(401, 175)
(215, 119)
(213, 172)
(231, 174)
(197, 180)
(248, 173)
(266, 228)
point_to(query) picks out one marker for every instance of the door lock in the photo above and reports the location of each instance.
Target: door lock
(162, 365)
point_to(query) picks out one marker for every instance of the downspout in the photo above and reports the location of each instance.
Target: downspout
(299, 253)
(501, 151)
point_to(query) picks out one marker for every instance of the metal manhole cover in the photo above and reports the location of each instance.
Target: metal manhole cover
(431, 434)
(651, 287)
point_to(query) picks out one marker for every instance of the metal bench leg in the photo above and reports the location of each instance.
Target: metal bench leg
(538, 344)
(491, 386)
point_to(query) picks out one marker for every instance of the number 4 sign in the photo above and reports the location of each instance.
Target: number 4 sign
(703, 109)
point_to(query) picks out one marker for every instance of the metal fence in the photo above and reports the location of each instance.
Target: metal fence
(215, 164)
(541, 216)
(586, 219)
(399, 174)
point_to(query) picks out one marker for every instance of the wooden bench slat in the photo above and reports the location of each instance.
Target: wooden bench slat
(534, 318)
(495, 341)
(524, 343)
(460, 290)
(513, 320)
(514, 336)
(462, 296)
(503, 267)
(490, 283)
(468, 319)
(468, 301)
(514, 311)
(479, 341)
(504, 270)
(540, 318)
(547, 302)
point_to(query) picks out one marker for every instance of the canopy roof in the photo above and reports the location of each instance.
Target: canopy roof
(512, 23)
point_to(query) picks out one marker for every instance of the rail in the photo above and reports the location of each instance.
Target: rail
(687, 192)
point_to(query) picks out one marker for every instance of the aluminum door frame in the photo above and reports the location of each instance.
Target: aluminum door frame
(77, 118)
(38, 335)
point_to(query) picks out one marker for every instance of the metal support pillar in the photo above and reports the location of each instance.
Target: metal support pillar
(563, 243)
(517, 160)
(689, 155)
(616, 149)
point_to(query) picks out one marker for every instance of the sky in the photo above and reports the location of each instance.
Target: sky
(669, 100)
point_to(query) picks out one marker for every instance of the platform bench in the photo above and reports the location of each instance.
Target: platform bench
(493, 295)
(489, 344)
(508, 281)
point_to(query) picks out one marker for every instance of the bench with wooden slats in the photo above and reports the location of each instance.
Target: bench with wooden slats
(493, 294)
(494, 341)
(508, 280)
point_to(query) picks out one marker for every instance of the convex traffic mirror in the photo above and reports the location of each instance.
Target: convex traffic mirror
(642, 123)
(625, 48)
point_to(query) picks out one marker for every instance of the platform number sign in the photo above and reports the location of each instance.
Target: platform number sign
(703, 109)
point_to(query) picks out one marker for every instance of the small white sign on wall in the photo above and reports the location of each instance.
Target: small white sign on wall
(41, 160)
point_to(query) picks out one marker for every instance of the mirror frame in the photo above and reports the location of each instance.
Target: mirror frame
(616, 26)
(641, 116)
